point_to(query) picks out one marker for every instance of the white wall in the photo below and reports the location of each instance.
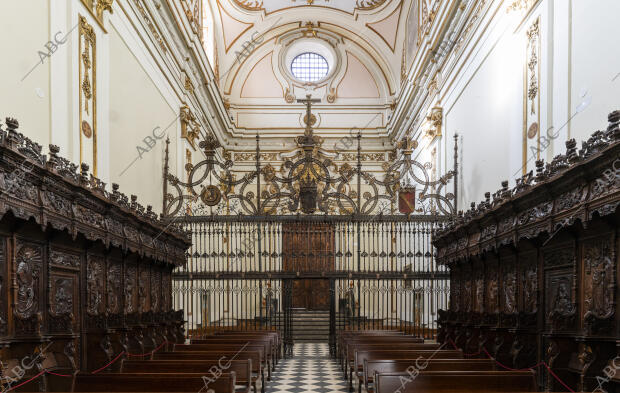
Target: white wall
(595, 63)
(483, 96)
(138, 110)
(24, 81)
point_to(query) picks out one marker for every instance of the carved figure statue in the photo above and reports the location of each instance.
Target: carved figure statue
(25, 291)
(531, 288)
(510, 293)
(601, 305)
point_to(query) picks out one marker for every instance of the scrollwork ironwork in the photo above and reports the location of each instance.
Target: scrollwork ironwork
(308, 182)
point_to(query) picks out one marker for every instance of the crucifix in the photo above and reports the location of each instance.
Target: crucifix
(308, 101)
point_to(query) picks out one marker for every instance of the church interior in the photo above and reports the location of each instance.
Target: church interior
(287, 196)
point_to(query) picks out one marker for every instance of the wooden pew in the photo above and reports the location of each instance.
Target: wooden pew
(345, 336)
(349, 353)
(265, 361)
(209, 368)
(231, 345)
(372, 366)
(210, 356)
(109, 382)
(395, 341)
(268, 341)
(269, 333)
(456, 381)
(357, 365)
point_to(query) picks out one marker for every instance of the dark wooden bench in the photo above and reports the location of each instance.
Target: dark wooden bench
(267, 341)
(210, 368)
(372, 366)
(349, 353)
(357, 366)
(395, 341)
(265, 333)
(109, 382)
(456, 381)
(343, 339)
(345, 334)
(210, 356)
(230, 347)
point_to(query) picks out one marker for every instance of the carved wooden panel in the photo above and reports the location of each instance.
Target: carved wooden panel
(478, 288)
(130, 289)
(166, 291)
(64, 260)
(155, 290)
(455, 289)
(56, 285)
(95, 285)
(143, 289)
(4, 291)
(528, 274)
(64, 301)
(309, 247)
(467, 290)
(114, 292)
(492, 287)
(562, 224)
(29, 273)
(560, 308)
(509, 284)
(599, 281)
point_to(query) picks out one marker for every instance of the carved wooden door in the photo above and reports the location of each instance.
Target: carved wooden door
(309, 248)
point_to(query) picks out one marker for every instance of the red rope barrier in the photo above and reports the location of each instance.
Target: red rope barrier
(94, 372)
(60, 375)
(558, 378)
(106, 366)
(129, 355)
(150, 353)
(23, 383)
(543, 363)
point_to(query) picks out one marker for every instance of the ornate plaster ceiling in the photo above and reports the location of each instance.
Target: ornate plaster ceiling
(368, 39)
(348, 6)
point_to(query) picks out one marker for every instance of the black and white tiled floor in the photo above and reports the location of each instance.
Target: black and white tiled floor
(309, 370)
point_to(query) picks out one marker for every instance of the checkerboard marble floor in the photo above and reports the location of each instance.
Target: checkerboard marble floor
(309, 370)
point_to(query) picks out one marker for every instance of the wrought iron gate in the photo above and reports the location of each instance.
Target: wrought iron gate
(249, 226)
(381, 272)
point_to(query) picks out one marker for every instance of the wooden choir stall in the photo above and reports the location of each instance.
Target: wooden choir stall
(534, 269)
(85, 274)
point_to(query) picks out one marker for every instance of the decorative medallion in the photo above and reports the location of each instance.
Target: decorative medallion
(86, 130)
(211, 195)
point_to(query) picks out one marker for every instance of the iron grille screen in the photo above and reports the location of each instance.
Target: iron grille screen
(309, 67)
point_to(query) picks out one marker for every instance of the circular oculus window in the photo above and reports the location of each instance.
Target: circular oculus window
(309, 67)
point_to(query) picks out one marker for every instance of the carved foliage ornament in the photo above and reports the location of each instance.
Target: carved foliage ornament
(368, 4)
(251, 5)
(65, 260)
(129, 288)
(98, 7)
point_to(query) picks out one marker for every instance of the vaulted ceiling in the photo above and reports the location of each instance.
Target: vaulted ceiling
(369, 45)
